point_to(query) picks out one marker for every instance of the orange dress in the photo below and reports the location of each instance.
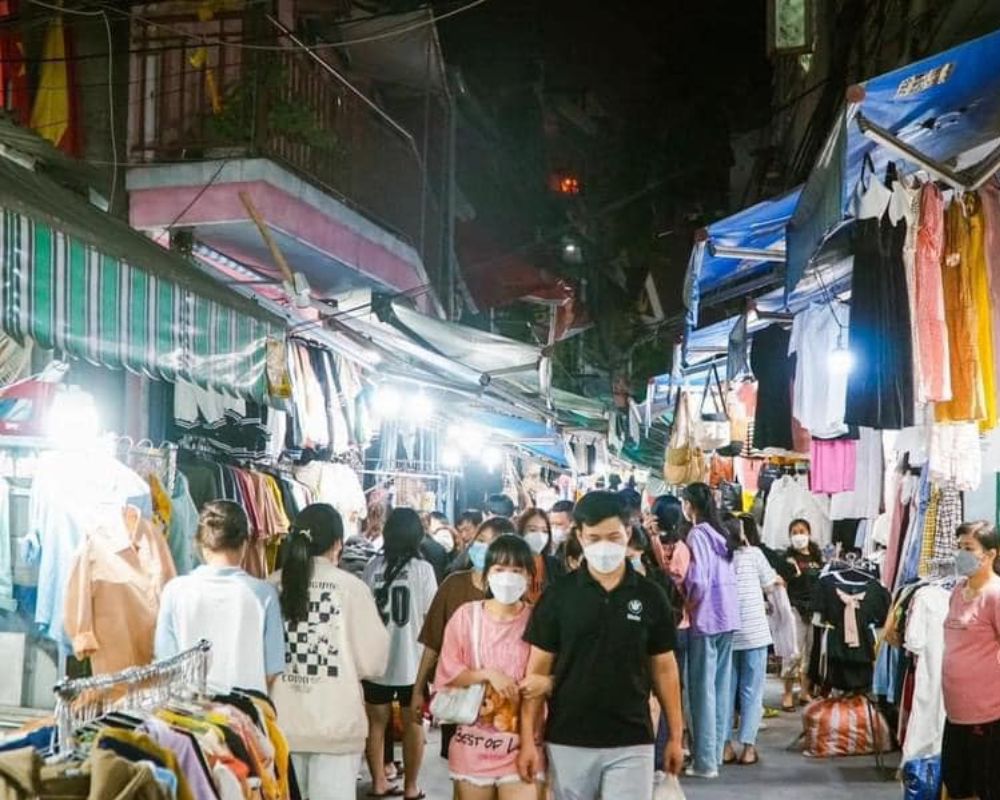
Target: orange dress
(962, 232)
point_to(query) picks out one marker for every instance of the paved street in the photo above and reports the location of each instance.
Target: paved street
(781, 775)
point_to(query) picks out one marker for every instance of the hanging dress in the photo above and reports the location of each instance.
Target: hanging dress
(963, 226)
(880, 388)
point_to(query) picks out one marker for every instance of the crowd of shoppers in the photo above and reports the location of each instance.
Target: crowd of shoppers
(607, 644)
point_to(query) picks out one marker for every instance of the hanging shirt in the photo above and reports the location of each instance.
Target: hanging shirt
(820, 392)
(790, 499)
(68, 489)
(865, 502)
(112, 591)
(773, 370)
(925, 640)
(407, 601)
(241, 617)
(833, 465)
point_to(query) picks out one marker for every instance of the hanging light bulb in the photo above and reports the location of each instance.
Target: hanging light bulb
(841, 359)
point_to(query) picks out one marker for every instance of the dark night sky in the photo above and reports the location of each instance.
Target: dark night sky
(676, 78)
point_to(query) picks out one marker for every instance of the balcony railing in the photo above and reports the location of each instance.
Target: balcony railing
(200, 96)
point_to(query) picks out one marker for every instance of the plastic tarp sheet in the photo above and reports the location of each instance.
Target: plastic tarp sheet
(759, 227)
(479, 350)
(534, 437)
(946, 106)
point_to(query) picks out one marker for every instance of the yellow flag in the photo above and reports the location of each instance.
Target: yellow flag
(50, 115)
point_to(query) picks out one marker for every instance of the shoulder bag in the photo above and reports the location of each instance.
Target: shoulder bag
(684, 463)
(461, 706)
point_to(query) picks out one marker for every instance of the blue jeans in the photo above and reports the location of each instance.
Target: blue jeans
(710, 673)
(749, 672)
(662, 733)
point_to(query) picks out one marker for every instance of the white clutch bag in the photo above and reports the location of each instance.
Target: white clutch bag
(461, 706)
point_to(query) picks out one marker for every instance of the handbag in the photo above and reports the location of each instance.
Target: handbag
(461, 706)
(684, 463)
(713, 429)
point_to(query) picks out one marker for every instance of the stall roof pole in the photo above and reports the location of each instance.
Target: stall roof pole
(747, 253)
(895, 145)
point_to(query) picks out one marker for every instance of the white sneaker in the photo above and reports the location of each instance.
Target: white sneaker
(659, 777)
(691, 772)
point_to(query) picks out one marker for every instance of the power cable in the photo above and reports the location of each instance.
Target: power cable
(387, 34)
(200, 194)
(111, 93)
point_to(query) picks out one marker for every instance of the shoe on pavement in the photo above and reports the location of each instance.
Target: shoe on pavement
(691, 772)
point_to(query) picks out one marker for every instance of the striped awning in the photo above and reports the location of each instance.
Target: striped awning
(71, 296)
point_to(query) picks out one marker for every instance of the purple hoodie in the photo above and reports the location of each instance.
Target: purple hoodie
(712, 589)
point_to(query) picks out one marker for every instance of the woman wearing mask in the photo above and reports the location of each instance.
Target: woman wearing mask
(750, 645)
(970, 760)
(404, 586)
(713, 603)
(335, 639)
(806, 560)
(484, 643)
(239, 614)
(533, 527)
(459, 588)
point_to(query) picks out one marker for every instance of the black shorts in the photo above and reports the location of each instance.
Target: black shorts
(970, 760)
(378, 695)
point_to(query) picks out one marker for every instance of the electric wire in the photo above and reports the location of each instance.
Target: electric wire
(200, 194)
(111, 93)
(401, 30)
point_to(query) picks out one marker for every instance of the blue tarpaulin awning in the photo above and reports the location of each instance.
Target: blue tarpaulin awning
(720, 257)
(821, 285)
(942, 111)
(532, 436)
(941, 114)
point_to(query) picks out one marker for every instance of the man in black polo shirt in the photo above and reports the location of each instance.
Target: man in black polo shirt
(606, 636)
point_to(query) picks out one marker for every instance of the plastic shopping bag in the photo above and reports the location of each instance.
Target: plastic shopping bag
(669, 789)
(922, 779)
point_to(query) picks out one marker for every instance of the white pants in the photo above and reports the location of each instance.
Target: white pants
(327, 777)
(614, 773)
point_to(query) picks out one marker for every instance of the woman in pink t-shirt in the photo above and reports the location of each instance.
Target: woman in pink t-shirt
(970, 759)
(482, 757)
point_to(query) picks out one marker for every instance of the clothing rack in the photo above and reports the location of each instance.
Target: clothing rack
(145, 458)
(84, 700)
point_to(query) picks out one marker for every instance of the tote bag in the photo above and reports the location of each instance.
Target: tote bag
(684, 463)
(461, 706)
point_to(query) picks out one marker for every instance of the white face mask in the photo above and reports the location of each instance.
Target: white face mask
(559, 535)
(444, 538)
(536, 541)
(800, 541)
(605, 557)
(507, 587)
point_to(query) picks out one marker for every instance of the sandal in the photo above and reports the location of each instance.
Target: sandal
(729, 756)
(745, 762)
(392, 791)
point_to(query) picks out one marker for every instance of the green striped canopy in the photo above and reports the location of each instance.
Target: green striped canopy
(69, 296)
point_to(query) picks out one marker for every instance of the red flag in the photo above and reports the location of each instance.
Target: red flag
(14, 95)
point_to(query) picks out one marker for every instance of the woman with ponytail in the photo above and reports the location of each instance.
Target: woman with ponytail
(714, 608)
(335, 639)
(404, 586)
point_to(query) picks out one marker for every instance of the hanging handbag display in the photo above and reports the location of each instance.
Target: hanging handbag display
(712, 429)
(684, 463)
(462, 706)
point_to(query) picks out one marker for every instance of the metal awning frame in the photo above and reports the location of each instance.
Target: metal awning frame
(965, 181)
